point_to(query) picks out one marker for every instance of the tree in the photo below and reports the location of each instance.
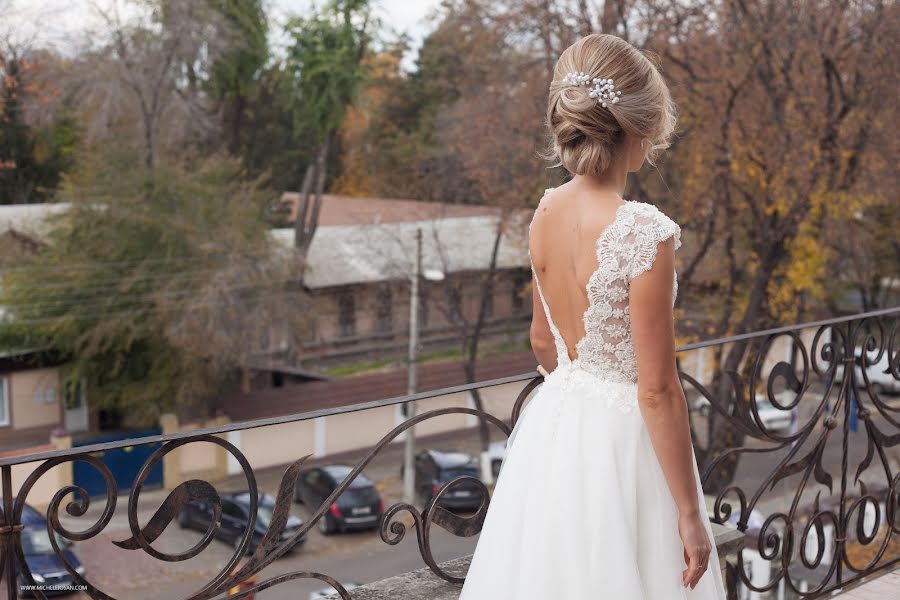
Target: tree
(400, 148)
(777, 131)
(32, 160)
(155, 66)
(357, 173)
(156, 288)
(270, 148)
(863, 251)
(324, 61)
(234, 73)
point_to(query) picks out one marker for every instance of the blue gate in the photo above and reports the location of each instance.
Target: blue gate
(123, 463)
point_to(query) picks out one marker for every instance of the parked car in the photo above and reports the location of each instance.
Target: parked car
(700, 405)
(754, 522)
(434, 468)
(329, 591)
(772, 417)
(46, 567)
(359, 506)
(880, 378)
(496, 453)
(235, 519)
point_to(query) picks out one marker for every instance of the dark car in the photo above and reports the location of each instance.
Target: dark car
(359, 507)
(46, 567)
(236, 517)
(434, 468)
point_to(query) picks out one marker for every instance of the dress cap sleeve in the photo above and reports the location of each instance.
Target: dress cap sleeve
(652, 226)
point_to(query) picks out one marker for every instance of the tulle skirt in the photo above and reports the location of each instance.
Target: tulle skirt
(581, 509)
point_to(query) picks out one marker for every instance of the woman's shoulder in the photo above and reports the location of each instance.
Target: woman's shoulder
(540, 204)
(645, 210)
(652, 224)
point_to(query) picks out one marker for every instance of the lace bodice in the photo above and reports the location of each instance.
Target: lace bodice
(625, 248)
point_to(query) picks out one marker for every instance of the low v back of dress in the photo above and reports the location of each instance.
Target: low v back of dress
(581, 509)
(624, 248)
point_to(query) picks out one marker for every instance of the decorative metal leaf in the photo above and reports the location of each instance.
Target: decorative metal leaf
(282, 507)
(194, 489)
(867, 460)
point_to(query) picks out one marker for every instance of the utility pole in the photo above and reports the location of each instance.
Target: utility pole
(409, 408)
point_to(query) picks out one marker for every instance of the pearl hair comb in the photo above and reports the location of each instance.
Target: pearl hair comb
(601, 89)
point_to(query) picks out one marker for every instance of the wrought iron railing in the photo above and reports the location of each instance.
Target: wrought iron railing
(859, 514)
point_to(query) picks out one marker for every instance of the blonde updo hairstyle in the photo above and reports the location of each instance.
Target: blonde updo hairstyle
(584, 135)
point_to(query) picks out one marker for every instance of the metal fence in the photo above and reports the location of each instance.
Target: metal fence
(831, 512)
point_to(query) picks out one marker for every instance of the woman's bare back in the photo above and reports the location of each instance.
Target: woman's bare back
(585, 248)
(562, 244)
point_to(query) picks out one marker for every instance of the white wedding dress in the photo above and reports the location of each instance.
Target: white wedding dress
(581, 509)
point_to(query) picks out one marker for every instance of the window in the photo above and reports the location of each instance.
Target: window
(47, 396)
(489, 305)
(518, 295)
(74, 393)
(346, 315)
(265, 340)
(384, 313)
(4, 401)
(455, 293)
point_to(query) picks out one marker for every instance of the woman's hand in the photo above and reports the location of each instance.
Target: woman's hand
(542, 370)
(697, 548)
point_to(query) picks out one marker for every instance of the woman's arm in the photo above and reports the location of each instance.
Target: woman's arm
(541, 337)
(662, 402)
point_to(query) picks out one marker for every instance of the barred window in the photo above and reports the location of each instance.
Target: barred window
(489, 303)
(346, 315)
(455, 299)
(384, 310)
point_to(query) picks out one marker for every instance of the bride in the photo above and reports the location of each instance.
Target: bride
(599, 495)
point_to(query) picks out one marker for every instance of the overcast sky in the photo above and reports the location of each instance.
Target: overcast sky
(62, 23)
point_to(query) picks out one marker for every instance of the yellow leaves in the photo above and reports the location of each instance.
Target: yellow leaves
(355, 178)
(781, 204)
(748, 172)
(859, 554)
(356, 121)
(802, 273)
(353, 181)
(807, 267)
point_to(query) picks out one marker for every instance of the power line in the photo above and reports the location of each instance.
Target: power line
(138, 296)
(140, 311)
(93, 264)
(113, 280)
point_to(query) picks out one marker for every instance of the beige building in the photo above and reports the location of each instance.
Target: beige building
(33, 401)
